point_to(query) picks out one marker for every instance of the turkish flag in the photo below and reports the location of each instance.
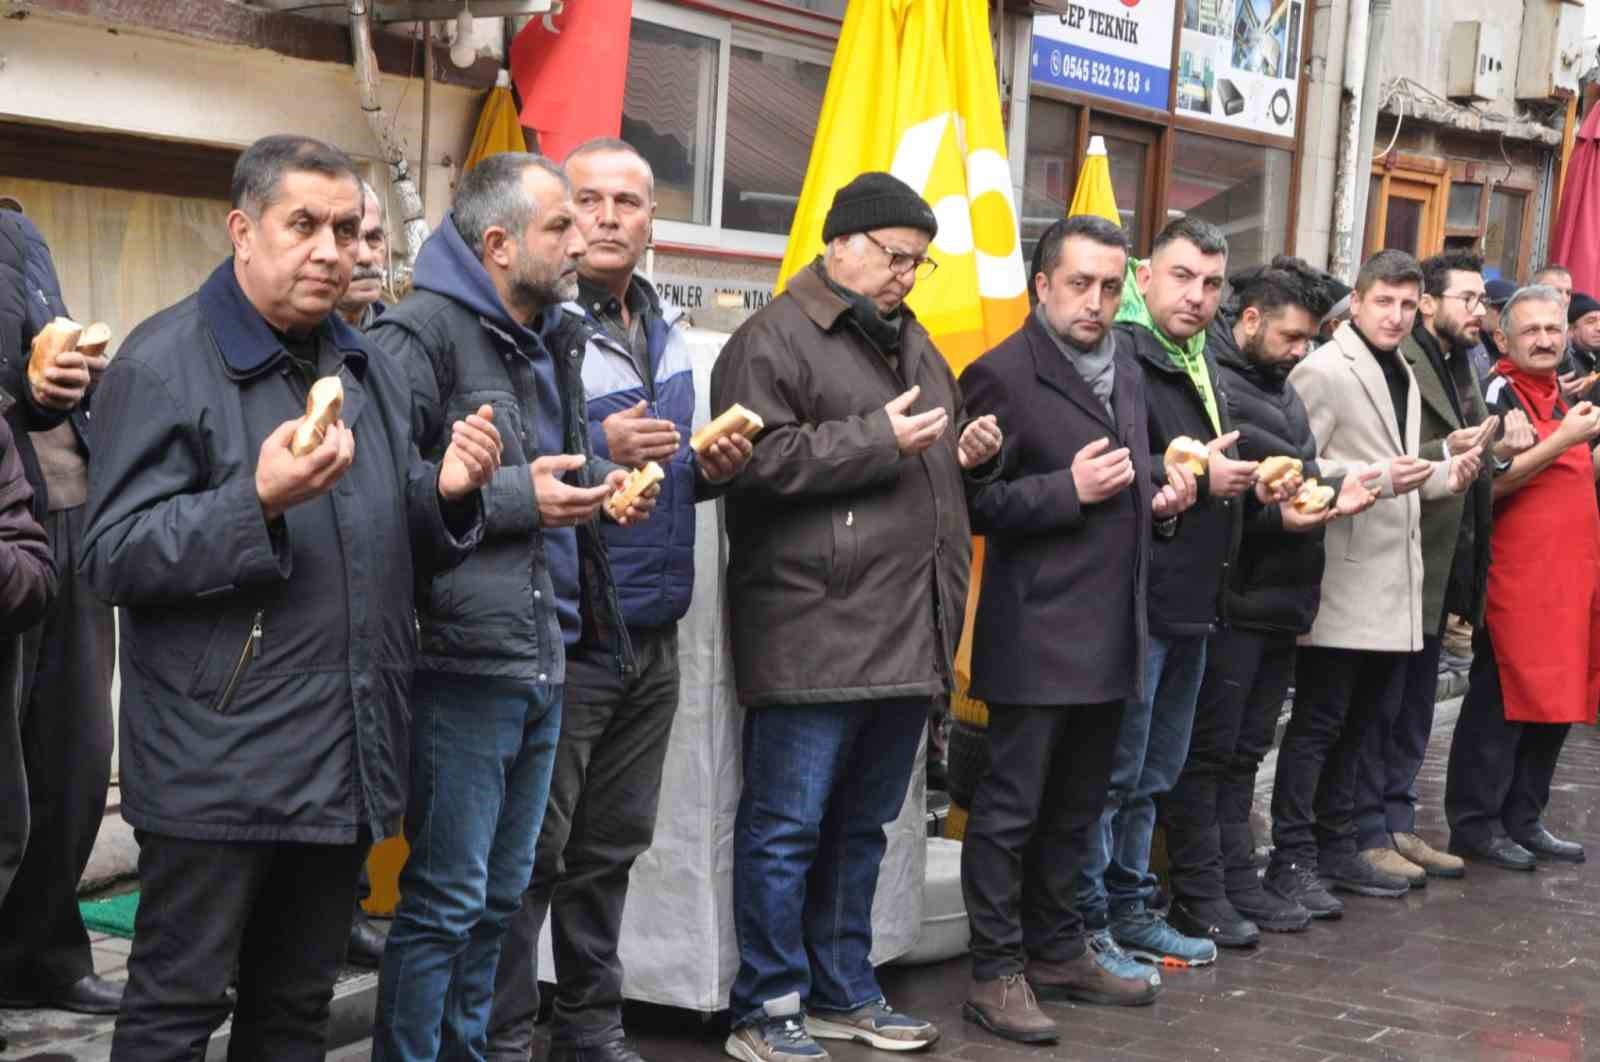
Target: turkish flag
(570, 67)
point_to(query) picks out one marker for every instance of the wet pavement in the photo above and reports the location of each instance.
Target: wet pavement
(1499, 965)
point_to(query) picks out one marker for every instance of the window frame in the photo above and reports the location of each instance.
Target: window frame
(730, 34)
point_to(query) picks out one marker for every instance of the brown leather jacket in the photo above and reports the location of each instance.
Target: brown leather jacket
(847, 564)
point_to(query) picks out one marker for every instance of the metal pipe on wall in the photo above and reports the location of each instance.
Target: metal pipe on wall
(1347, 189)
(1377, 30)
(413, 221)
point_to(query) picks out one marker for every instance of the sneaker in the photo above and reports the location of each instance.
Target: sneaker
(1388, 861)
(782, 1039)
(1351, 873)
(876, 1025)
(1430, 859)
(1145, 935)
(1083, 979)
(1007, 1007)
(1299, 884)
(1214, 920)
(1116, 962)
(1268, 910)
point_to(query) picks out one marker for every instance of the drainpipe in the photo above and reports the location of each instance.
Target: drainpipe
(1377, 33)
(390, 146)
(1347, 185)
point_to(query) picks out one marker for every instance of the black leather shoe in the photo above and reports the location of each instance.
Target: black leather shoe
(615, 1051)
(1216, 920)
(87, 995)
(1500, 852)
(366, 943)
(1547, 845)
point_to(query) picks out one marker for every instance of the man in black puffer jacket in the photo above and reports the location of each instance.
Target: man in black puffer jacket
(1270, 597)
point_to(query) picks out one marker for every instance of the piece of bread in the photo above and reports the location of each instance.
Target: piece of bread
(323, 406)
(1275, 469)
(735, 420)
(638, 481)
(95, 339)
(1314, 497)
(57, 337)
(1190, 453)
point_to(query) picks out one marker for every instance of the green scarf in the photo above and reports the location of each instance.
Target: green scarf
(1190, 356)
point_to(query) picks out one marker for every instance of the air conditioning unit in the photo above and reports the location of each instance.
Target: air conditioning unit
(1475, 67)
(1037, 7)
(1552, 49)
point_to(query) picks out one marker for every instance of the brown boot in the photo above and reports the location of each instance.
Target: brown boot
(1086, 981)
(1436, 863)
(1006, 1007)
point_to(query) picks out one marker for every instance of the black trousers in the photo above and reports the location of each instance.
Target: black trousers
(1386, 796)
(601, 817)
(1339, 695)
(256, 929)
(13, 772)
(1498, 780)
(1207, 814)
(66, 749)
(1049, 769)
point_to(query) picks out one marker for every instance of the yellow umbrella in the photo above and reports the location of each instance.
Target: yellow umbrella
(498, 129)
(1094, 194)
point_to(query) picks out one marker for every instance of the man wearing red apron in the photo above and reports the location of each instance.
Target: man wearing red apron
(1536, 657)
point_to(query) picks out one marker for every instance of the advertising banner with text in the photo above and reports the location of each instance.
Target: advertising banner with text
(1118, 49)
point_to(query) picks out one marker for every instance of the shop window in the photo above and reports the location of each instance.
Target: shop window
(1050, 168)
(1241, 188)
(1406, 209)
(1502, 237)
(1466, 200)
(727, 119)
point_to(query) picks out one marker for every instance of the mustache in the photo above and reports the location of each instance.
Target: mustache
(364, 273)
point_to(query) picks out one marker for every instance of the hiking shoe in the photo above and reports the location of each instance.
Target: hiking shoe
(1268, 910)
(1116, 962)
(1085, 980)
(876, 1025)
(1006, 1006)
(782, 1039)
(1145, 935)
(1430, 859)
(1214, 920)
(1299, 884)
(1388, 861)
(1350, 873)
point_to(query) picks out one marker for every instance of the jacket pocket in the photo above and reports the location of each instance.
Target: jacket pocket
(842, 563)
(234, 647)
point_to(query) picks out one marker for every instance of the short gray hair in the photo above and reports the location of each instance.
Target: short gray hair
(606, 144)
(491, 195)
(1531, 293)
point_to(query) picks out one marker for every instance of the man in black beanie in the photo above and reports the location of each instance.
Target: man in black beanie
(848, 552)
(1583, 343)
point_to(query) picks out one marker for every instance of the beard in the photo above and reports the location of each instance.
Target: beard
(533, 291)
(1454, 333)
(1255, 349)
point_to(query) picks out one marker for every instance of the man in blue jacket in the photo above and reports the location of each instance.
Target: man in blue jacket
(639, 383)
(484, 324)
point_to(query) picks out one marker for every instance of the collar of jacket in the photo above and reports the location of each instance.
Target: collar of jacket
(658, 322)
(820, 302)
(245, 339)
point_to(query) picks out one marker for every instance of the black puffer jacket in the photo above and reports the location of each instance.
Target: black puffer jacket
(1187, 571)
(1276, 581)
(266, 668)
(22, 307)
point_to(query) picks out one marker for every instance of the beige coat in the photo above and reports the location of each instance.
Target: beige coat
(1372, 581)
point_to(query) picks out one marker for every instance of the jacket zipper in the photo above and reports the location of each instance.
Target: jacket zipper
(251, 650)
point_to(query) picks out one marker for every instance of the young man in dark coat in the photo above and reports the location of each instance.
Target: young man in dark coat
(268, 633)
(1271, 594)
(1068, 520)
(848, 557)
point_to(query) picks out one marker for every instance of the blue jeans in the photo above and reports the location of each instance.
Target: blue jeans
(482, 750)
(1154, 742)
(820, 783)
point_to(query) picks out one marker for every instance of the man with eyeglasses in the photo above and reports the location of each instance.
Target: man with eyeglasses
(848, 554)
(1455, 561)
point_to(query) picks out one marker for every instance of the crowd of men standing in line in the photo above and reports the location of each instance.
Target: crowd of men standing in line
(435, 622)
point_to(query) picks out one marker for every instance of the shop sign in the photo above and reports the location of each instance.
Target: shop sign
(1118, 49)
(701, 293)
(1239, 62)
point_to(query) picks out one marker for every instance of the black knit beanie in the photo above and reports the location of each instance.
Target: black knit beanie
(877, 201)
(1581, 304)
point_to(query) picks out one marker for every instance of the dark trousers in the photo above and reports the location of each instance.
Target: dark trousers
(1044, 788)
(256, 929)
(1498, 781)
(1339, 695)
(66, 748)
(601, 817)
(13, 772)
(1207, 814)
(1386, 795)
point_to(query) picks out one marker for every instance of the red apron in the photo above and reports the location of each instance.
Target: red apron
(1543, 607)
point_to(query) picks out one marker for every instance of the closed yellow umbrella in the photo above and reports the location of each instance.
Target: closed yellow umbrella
(499, 128)
(1094, 194)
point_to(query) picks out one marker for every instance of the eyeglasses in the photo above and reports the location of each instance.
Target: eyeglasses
(1471, 301)
(900, 264)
